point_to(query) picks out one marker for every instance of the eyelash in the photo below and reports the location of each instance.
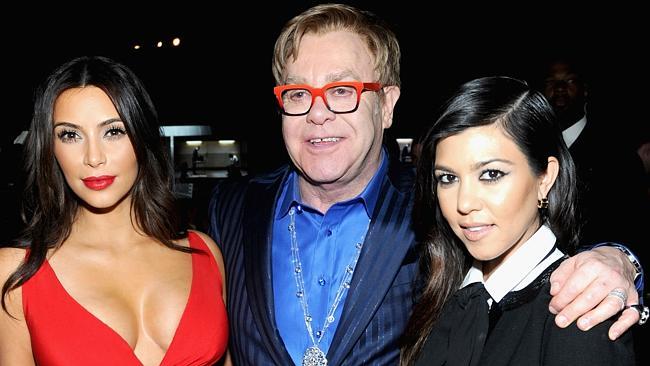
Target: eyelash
(446, 179)
(440, 179)
(67, 136)
(113, 132)
(499, 173)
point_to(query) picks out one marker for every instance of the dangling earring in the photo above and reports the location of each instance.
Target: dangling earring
(543, 203)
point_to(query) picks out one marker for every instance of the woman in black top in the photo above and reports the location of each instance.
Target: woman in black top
(495, 207)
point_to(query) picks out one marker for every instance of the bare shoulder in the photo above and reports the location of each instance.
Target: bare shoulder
(15, 345)
(10, 259)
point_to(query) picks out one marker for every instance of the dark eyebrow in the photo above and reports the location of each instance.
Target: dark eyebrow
(442, 167)
(101, 124)
(476, 166)
(481, 164)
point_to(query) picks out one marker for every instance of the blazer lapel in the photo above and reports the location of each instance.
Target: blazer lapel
(257, 237)
(386, 245)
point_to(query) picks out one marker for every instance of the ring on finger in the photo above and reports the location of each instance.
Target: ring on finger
(644, 312)
(620, 294)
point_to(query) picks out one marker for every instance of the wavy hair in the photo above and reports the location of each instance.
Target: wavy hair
(528, 119)
(50, 206)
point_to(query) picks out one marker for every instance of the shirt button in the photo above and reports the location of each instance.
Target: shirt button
(321, 281)
(329, 232)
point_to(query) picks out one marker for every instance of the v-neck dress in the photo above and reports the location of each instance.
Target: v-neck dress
(64, 333)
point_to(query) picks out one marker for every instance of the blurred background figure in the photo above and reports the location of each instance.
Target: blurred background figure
(195, 159)
(611, 181)
(234, 169)
(603, 141)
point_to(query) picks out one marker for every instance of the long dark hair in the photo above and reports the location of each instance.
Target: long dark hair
(50, 206)
(528, 119)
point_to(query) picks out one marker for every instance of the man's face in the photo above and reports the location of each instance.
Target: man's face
(564, 89)
(329, 148)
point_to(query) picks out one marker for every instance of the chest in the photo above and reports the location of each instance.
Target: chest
(140, 300)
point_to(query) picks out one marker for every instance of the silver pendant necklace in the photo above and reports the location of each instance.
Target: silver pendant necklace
(313, 355)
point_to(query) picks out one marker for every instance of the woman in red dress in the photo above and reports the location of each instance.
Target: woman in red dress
(102, 274)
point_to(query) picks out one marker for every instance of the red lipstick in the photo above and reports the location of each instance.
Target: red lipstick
(99, 183)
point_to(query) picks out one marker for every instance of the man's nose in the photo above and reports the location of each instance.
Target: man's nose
(319, 113)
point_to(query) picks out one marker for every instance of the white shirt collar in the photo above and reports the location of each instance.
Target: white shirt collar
(571, 134)
(523, 266)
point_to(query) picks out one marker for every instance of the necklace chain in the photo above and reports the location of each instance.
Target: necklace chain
(300, 283)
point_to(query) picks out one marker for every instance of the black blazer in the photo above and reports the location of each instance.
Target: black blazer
(380, 298)
(612, 196)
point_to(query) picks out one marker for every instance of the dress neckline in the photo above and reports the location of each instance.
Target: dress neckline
(121, 340)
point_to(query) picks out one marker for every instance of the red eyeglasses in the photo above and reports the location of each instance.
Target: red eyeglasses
(339, 97)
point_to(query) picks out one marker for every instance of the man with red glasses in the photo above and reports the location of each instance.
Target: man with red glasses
(320, 255)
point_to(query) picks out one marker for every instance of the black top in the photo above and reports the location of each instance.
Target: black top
(519, 330)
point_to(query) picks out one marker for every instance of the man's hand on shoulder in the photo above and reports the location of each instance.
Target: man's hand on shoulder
(581, 289)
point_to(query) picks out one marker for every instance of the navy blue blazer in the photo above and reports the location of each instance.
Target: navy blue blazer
(380, 298)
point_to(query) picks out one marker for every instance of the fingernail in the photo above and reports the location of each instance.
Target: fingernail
(583, 324)
(552, 310)
(613, 335)
(561, 321)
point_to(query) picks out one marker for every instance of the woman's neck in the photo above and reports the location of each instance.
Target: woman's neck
(106, 227)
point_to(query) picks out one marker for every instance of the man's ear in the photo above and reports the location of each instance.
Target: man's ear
(391, 95)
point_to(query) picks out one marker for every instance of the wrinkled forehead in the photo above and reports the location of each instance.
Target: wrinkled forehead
(331, 56)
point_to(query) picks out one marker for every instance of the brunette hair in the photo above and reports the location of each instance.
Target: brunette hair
(50, 206)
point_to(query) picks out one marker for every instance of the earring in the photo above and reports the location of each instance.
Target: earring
(543, 203)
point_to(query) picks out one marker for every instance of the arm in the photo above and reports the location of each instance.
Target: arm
(581, 284)
(15, 344)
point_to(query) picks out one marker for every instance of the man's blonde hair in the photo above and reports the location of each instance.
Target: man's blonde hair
(320, 19)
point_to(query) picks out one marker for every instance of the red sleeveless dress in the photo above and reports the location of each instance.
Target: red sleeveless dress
(64, 333)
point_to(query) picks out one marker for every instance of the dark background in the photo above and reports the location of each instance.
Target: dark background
(221, 75)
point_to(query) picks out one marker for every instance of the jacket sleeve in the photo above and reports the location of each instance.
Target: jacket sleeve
(572, 346)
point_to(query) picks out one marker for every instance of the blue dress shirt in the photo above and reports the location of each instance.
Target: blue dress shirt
(327, 245)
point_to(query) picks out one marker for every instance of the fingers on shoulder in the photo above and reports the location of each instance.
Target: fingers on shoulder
(565, 269)
(625, 321)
